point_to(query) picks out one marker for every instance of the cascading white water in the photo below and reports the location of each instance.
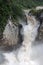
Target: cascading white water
(26, 54)
(30, 33)
(22, 56)
(10, 33)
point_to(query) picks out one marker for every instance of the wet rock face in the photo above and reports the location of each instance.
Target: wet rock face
(40, 30)
(20, 36)
(10, 34)
(39, 17)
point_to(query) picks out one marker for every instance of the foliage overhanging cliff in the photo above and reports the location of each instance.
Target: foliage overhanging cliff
(13, 8)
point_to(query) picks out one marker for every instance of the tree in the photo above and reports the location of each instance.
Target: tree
(7, 9)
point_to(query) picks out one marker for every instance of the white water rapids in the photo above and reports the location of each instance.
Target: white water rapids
(27, 54)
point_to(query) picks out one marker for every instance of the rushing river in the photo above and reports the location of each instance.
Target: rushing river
(30, 52)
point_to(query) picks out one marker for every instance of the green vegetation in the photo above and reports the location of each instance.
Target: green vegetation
(14, 8)
(36, 12)
(7, 9)
(28, 3)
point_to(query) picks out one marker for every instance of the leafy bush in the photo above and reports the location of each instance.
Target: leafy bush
(7, 9)
(14, 8)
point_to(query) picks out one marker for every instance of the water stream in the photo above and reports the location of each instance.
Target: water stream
(27, 54)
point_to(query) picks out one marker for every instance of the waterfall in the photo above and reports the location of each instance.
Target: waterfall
(30, 33)
(10, 34)
(26, 54)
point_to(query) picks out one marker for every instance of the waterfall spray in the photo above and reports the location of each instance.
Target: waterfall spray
(30, 33)
(22, 56)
